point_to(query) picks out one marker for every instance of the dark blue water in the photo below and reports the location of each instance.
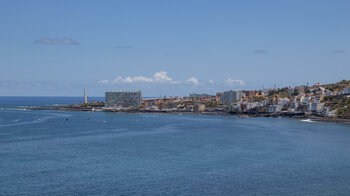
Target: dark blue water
(157, 154)
(23, 102)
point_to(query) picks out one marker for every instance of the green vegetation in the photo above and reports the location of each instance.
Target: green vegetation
(339, 86)
(307, 90)
(92, 104)
(341, 104)
(295, 92)
(344, 112)
(211, 104)
(282, 92)
(256, 99)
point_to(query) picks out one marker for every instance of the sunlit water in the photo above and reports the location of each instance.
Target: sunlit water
(95, 153)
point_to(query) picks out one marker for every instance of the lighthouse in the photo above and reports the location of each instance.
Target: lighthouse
(85, 97)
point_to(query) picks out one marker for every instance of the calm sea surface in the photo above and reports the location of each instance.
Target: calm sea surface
(95, 153)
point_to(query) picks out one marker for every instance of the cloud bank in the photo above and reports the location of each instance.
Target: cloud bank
(162, 77)
(159, 77)
(56, 41)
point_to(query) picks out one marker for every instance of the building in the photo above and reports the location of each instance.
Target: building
(290, 91)
(346, 91)
(315, 107)
(195, 95)
(294, 105)
(300, 89)
(229, 97)
(327, 93)
(274, 108)
(124, 99)
(249, 93)
(283, 101)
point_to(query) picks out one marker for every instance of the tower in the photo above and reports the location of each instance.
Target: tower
(85, 97)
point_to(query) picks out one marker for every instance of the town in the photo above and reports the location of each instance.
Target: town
(331, 101)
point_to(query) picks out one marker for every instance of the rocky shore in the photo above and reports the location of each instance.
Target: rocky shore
(301, 116)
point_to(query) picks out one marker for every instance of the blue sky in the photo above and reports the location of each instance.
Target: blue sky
(56, 48)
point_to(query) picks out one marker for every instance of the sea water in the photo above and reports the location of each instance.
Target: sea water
(96, 153)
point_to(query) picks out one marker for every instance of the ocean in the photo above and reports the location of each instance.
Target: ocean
(97, 153)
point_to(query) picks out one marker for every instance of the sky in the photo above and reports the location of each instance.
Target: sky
(170, 48)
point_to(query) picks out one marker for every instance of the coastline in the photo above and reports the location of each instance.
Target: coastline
(225, 113)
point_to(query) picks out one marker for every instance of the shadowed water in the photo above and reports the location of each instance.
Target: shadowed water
(42, 153)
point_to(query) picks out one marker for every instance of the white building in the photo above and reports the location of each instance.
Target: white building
(229, 97)
(252, 105)
(315, 107)
(274, 108)
(346, 91)
(294, 105)
(306, 101)
(327, 93)
(316, 99)
(151, 107)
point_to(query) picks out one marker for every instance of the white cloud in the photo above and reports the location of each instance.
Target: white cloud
(105, 81)
(162, 77)
(234, 82)
(193, 80)
(137, 79)
(159, 77)
(117, 80)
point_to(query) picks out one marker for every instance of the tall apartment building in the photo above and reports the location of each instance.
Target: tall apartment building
(231, 96)
(315, 107)
(124, 99)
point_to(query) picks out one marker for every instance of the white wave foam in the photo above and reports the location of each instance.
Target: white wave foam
(307, 120)
(34, 121)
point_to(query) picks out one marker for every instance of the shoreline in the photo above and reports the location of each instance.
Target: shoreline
(312, 118)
